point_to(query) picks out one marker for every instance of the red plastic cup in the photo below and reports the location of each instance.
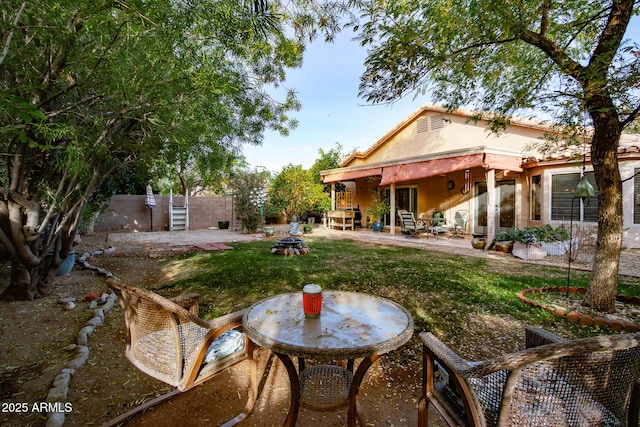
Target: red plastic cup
(312, 300)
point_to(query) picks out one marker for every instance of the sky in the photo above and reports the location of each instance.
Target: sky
(327, 87)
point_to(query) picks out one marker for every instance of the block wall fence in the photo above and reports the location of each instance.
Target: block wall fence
(128, 213)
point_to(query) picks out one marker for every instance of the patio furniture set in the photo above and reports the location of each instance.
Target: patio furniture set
(586, 382)
(433, 224)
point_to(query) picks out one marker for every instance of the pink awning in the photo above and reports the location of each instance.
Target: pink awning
(428, 168)
(351, 175)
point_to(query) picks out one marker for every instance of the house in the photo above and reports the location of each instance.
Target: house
(440, 161)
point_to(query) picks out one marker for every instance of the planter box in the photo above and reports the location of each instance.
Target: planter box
(559, 248)
(505, 246)
(528, 252)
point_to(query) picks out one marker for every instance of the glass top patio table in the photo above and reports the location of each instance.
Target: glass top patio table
(351, 326)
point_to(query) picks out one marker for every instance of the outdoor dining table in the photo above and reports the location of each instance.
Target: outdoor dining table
(351, 326)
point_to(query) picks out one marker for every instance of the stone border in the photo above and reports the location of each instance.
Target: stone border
(615, 323)
(60, 388)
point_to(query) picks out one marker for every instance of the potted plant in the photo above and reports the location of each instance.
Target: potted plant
(503, 240)
(555, 241)
(527, 245)
(378, 209)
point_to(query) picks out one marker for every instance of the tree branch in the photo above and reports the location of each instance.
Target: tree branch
(5, 50)
(555, 52)
(631, 117)
(612, 34)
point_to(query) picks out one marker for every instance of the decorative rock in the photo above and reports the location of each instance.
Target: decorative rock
(586, 320)
(600, 321)
(94, 321)
(560, 311)
(99, 313)
(629, 327)
(70, 305)
(55, 419)
(572, 316)
(616, 324)
(91, 296)
(70, 347)
(66, 300)
(58, 394)
(62, 380)
(88, 329)
(82, 339)
(93, 304)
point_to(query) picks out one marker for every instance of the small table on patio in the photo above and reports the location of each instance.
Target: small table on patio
(351, 325)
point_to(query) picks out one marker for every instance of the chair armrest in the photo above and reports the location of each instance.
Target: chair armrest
(234, 318)
(444, 354)
(535, 337)
(188, 301)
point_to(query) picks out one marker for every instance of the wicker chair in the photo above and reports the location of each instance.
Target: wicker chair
(585, 382)
(168, 341)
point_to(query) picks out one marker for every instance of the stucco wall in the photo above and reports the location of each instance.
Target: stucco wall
(129, 214)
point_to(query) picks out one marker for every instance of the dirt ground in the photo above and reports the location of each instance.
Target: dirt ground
(35, 334)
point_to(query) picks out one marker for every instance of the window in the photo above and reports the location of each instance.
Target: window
(534, 198)
(562, 189)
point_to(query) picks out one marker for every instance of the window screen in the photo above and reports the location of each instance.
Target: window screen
(562, 189)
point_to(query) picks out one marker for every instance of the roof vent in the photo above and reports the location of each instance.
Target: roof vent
(422, 125)
(437, 122)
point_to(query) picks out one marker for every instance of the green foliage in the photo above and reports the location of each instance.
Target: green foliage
(378, 207)
(545, 233)
(91, 88)
(295, 192)
(242, 183)
(328, 160)
(499, 58)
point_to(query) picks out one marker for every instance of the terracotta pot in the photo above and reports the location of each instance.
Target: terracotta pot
(478, 243)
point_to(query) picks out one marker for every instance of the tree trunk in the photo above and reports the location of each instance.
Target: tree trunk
(604, 157)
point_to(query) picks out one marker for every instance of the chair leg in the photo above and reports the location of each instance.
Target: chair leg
(423, 412)
(251, 401)
(139, 409)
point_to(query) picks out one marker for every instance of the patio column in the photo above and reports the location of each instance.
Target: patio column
(392, 220)
(333, 196)
(492, 207)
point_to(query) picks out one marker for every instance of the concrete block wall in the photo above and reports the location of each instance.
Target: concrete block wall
(128, 213)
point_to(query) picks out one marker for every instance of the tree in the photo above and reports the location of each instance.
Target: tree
(294, 191)
(244, 183)
(90, 88)
(328, 160)
(568, 58)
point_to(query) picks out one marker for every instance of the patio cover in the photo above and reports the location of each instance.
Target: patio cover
(428, 168)
(351, 175)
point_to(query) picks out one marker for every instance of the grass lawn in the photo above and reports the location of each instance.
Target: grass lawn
(443, 292)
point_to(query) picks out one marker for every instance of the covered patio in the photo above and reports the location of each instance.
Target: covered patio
(467, 180)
